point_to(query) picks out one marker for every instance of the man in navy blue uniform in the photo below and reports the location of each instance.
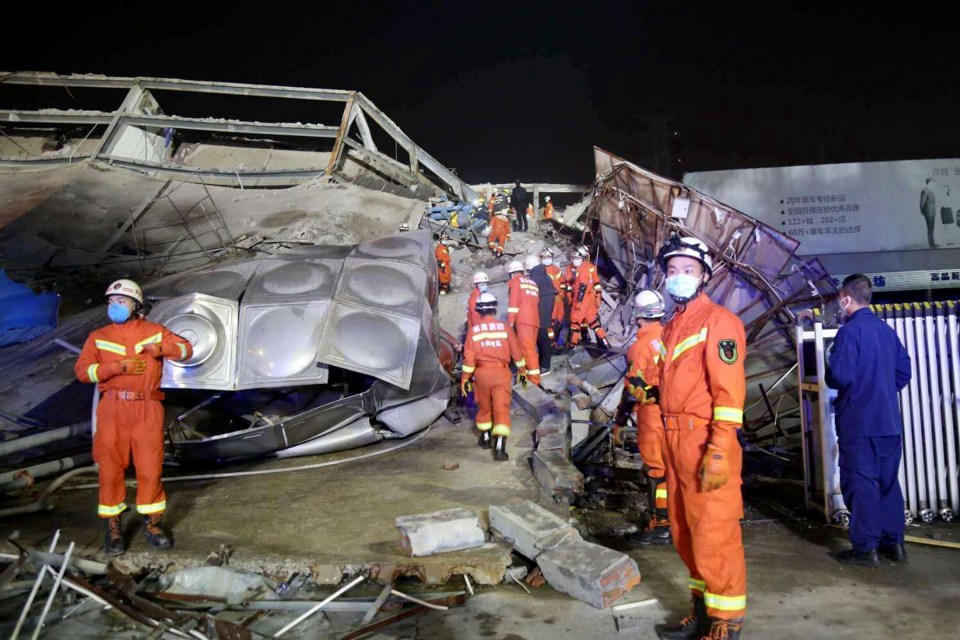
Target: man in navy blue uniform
(868, 366)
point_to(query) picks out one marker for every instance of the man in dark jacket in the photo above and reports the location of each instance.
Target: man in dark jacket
(869, 366)
(538, 273)
(520, 200)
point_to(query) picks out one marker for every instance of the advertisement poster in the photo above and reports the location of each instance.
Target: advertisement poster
(848, 208)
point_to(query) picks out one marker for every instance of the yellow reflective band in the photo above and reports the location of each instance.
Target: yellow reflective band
(490, 335)
(661, 493)
(520, 363)
(725, 603)
(662, 349)
(468, 369)
(513, 309)
(532, 287)
(501, 430)
(154, 339)
(108, 511)
(183, 350)
(92, 372)
(698, 585)
(728, 414)
(484, 426)
(689, 343)
(533, 372)
(112, 347)
(156, 507)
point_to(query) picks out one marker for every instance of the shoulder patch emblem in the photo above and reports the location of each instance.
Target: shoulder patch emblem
(728, 351)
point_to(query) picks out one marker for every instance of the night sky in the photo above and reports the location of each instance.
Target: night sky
(501, 91)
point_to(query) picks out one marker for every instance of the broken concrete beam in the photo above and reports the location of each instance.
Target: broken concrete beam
(553, 442)
(606, 373)
(556, 474)
(524, 524)
(535, 401)
(582, 401)
(449, 530)
(591, 573)
(555, 423)
(579, 425)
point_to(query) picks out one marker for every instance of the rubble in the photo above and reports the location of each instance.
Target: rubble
(525, 524)
(589, 572)
(557, 475)
(449, 530)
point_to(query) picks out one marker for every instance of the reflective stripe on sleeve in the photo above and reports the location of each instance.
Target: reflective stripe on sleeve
(154, 339)
(183, 350)
(92, 372)
(513, 309)
(521, 363)
(690, 342)
(728, 414)
(112, 347)
(533, 372)
(661, 493)
(724, 603)
(698, 585)
(468, 369)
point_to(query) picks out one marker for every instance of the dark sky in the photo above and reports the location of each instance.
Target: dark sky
(502, 90)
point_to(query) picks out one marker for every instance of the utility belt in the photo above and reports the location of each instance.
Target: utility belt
(133, 395)
(683, 421)
(493, 365)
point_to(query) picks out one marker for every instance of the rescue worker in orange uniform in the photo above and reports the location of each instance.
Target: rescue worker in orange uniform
(585, 292)
(125, 360)
(499, 233)
(548, 209)
(566, 286)
(491, 344)
(641, 393)
(481, 282)
(444, 272)
(702, 391)
(546, 259)
(523, 316)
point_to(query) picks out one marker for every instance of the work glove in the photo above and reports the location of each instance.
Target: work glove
(653, 394)
(132, 367)
(465, 386)
(621, 417)
(154, 350)
(522, 376)
(715, 469)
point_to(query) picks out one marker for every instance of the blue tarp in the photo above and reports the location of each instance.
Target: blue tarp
(24, 315)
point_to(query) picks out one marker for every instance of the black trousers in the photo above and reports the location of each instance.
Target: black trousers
(931, 225)
(544, 349)
(521, 220)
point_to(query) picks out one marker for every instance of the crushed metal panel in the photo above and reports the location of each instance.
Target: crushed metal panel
(210, 324)
(227, 281)
(364, 339)
(297, 279)
(397, 287)
(279, 343)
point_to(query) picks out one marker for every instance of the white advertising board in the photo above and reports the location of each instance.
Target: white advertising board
(848, 208)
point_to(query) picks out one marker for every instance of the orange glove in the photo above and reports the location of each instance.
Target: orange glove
(465, 386)
(128, 367)
(522, 376)
(715, 469)
(154, 350)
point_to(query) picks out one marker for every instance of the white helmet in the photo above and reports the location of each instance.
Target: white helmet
(690, 247)
(648, 304)
(548, 199)
(480, 276)
(582, 251)
(530, 262)
(486, 303)
(514, 266)
(546, 254)
(127, 288)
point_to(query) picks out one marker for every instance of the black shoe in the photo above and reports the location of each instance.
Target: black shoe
(693, 627)
(113, 544)
(861, 558)
(724, 629)
(658, 534)
(897, 552)
(602, 342)
(154, 533)
(484, 441)
(500, 449)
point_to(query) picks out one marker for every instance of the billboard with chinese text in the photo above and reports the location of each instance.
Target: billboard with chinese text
(848, 208)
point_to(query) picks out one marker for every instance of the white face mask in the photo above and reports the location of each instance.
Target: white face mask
(577, 262)
(547, 261)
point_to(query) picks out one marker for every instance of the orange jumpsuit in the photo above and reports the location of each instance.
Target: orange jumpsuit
(486, 356)
(499, 234)
(443, 266)
(523, 314)
(555, 277)
(702, 391)
(585, 293)
(472, 316)
(548, 211)
(129, 414)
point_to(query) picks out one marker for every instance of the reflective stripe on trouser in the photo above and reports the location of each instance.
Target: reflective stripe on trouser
(126, 428)
(527, 334)
(492, 393)
(705, 526)
(586, 315)
(650, 438)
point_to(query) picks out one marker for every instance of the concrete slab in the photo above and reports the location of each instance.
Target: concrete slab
(591, 573)
(449, 530)
(535, 401)
(556, 474)
(524, 524)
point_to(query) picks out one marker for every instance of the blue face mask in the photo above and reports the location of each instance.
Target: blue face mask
(483, 287)
(682, 287)
(118, 312)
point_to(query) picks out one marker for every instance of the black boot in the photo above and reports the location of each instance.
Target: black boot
(113, 544)
(603, 344)
(585, 335)
(896, 552)
(153, 531)
(656, 533)
(860, 558)
(500, 449)
(484, 441)
(693, 627)
(724, 629)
